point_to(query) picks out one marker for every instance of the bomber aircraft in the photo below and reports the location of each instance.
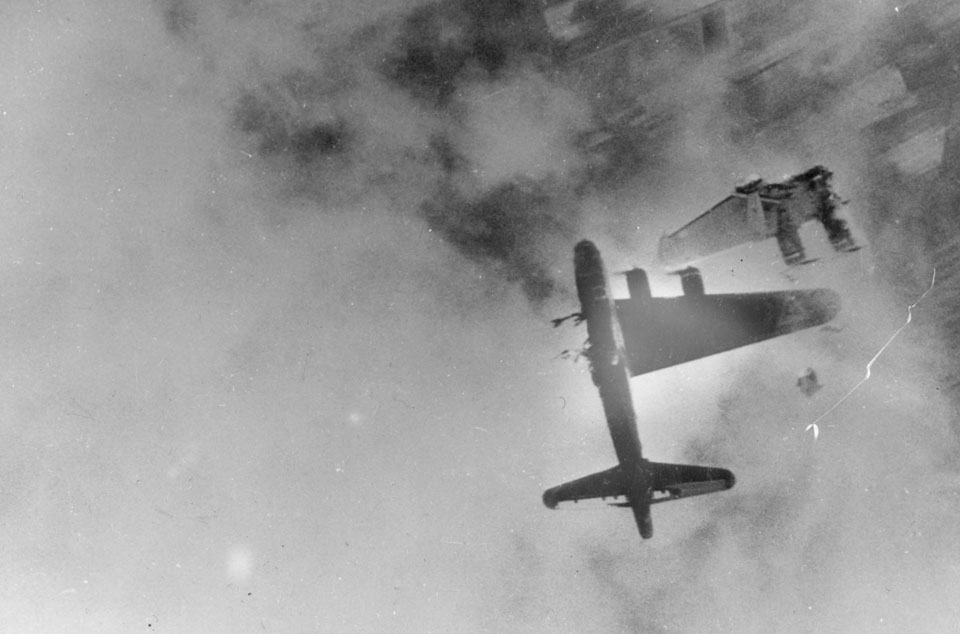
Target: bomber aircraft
(633, 336)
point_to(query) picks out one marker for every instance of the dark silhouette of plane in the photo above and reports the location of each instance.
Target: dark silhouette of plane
(642, 334)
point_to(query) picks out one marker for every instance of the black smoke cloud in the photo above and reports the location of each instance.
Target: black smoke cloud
(442, 43)
(400, 104)
(507, 226)
(304, 141)
(424, 107)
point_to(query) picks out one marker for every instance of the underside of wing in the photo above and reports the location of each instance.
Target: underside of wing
(676, 481)
(604, 484)
(724, 226)
(663, 331)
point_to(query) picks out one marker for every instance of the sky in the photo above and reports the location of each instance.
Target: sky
(273, 360)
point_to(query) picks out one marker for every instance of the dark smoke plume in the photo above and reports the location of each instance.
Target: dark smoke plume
(506, 226)
(440, 57)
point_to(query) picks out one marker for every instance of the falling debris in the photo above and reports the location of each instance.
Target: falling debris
(576, 317)
(807, 382)
(758, 210)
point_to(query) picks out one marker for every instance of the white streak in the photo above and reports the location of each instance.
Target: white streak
(813, 426)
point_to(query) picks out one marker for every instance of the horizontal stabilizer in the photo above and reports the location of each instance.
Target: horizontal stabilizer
(660, 332)
(676, 481)
(604, 484)
(666, 482)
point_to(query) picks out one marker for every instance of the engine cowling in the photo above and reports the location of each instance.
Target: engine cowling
(638, 284)
(691, 281)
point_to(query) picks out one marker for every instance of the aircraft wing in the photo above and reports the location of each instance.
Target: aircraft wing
(727, 224)
(675, 481)
(603, 484)
(660, 332)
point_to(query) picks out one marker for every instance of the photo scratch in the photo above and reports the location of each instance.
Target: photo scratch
(814, 427)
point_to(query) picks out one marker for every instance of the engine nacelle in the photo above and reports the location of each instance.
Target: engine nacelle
(691, 281)
(638, 284)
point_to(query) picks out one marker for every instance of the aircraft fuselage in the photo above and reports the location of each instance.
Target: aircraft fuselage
(611, 375)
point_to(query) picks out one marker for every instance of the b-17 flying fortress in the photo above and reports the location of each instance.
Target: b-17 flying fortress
(630, 337)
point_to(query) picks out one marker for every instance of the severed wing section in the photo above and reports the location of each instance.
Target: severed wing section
(757, 211)
(734, 221)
